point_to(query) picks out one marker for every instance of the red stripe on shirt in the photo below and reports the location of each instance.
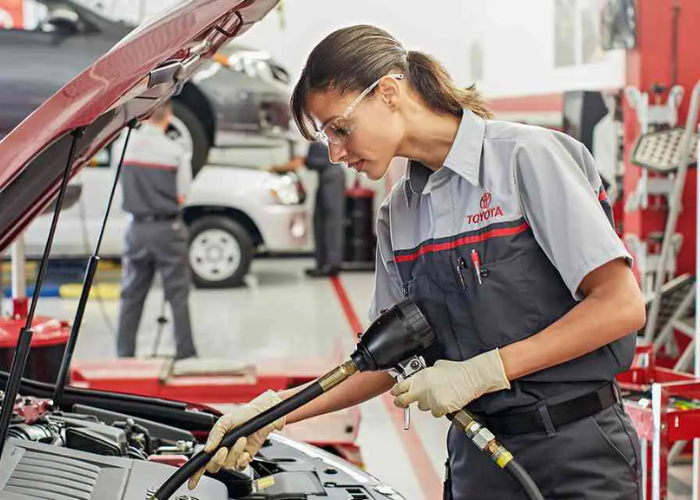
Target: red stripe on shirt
(467, 240)
(158, 166)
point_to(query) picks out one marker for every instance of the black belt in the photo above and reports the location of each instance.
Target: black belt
(560, 414)
(156, 217)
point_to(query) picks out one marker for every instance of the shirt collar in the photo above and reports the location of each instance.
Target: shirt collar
(464, 157)
(417, 176)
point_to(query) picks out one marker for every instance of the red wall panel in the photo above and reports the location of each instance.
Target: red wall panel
(648, 64)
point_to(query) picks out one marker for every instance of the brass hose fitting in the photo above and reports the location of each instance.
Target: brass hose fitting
(482, 438)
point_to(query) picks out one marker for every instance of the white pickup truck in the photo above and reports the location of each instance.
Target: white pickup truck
(233, 212)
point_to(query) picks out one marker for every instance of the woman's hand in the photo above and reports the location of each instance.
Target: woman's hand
(449, 386)
(292, 165)
(283, 169)
(243, 451)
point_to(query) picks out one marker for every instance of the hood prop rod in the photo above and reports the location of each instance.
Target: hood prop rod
(90, 271)
(19, 360)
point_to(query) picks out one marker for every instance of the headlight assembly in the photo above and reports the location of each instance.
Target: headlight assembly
(285, 191)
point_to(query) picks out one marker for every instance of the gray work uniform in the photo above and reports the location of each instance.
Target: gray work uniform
(530, 203)
(329, 212)
(156, 170)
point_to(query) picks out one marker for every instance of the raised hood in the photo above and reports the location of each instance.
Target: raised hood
(145, 68)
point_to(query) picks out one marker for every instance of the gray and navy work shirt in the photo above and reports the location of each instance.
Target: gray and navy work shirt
(156, 171)
(494, 246)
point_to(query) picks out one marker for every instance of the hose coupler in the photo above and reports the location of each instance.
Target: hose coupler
(482, 438)
(337, 376)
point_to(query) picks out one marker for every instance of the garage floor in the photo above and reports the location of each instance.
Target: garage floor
(283, 314)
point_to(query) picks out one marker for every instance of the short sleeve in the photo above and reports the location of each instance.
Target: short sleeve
(184, 174)
(298, 145)
(301, 148)
(563, 201)
(116, 149)
(387, 284)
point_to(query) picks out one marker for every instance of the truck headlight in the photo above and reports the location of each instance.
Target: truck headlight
(286, 191)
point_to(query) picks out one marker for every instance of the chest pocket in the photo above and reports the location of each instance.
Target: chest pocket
(503, 299)
(470, 318)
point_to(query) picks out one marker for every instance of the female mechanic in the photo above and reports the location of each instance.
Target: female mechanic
(502, 233)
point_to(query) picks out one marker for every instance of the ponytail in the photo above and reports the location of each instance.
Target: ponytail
(350, 59)
(431, 80)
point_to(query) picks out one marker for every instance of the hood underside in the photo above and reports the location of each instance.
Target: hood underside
(145, 68)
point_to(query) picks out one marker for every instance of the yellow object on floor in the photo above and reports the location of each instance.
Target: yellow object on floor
(109, 265)
(30, 267)
(105, 291)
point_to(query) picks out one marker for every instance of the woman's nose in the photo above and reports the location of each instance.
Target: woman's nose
(336, 153)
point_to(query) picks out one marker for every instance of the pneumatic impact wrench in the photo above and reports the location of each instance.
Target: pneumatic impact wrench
(395, 342)
(398, 342)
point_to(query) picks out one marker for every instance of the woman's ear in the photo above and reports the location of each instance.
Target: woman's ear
(389, 90)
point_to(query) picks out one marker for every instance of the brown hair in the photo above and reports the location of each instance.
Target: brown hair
(351, 59)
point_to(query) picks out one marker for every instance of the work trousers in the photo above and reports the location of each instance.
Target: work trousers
(595, 458)
(160, 246)
(329, 214)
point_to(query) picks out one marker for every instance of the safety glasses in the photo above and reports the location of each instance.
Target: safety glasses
(340, 128)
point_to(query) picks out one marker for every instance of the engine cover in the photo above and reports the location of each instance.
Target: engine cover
(32, 470)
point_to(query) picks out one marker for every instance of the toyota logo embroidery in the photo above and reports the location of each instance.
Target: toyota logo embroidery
(487, 211)
(485, 201)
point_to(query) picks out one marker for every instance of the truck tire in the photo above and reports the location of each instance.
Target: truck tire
(220, 252)
(198, 136)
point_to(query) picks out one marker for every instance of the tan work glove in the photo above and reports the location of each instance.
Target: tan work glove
(243, 451)
(449, 386)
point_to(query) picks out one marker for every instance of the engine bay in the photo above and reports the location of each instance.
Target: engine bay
(96, 453)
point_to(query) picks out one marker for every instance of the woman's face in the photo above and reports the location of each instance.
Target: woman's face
(368, 136)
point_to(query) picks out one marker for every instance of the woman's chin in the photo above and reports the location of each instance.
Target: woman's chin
(374, 172)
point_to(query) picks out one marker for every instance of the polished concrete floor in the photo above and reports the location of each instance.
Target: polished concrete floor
(283, 314)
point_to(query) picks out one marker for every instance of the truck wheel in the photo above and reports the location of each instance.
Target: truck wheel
(220, 252)
(185, 127)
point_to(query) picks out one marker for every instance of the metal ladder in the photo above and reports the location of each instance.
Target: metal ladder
(659, 136)
(673, 150)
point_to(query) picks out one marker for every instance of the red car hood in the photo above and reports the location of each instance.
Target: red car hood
(147, 66)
